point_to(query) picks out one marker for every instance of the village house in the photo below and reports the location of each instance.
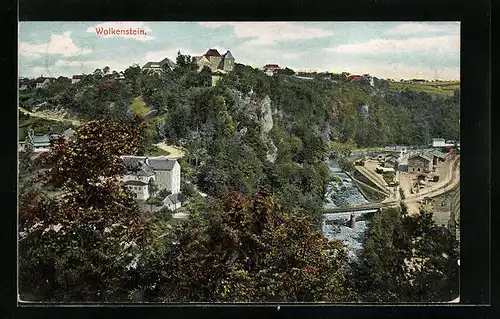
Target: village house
(43, 82)
(37, 143)
(420, 163)
(76, 78)
(215, 61)
(172, 201)
(271, 69)
(437, 157)
(164, 172)
(158, 67)
(139, 189)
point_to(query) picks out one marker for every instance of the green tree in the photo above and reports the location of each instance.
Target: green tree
(408, 259)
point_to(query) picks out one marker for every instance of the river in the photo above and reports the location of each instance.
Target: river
(337, 225)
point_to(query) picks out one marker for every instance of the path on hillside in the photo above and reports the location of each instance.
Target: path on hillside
(175, 151)
(49, 117)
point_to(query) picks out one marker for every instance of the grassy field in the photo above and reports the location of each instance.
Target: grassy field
(139, 107)
(440, 87)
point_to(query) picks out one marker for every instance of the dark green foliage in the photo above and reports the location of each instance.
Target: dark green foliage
(408, 259)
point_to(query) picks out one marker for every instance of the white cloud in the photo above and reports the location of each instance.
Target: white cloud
(122, 30)
(171, 53)
(69, 68)
(57, 44)
(90, 65)
(438, 45)
(422, 28)
(269, 32)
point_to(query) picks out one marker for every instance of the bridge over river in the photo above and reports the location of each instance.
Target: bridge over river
(363, 207)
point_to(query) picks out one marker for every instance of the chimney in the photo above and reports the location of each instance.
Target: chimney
(353, 221)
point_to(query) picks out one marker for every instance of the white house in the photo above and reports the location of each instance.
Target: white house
(76, 79)
(168, 173)
(438, 142)
(39, 142)
(172, 201)
(270, 69)
(43, 83)
(139, 188)
(165, 172)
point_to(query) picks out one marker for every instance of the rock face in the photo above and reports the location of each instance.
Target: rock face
(259, 110)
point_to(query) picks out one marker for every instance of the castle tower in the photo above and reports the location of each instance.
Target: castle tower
(228, 62)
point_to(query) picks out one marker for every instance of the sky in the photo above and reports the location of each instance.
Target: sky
(395, 50)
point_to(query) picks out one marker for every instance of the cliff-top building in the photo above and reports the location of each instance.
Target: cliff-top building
(215, 61)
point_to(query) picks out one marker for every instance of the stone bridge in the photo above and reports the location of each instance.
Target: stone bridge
(370, 206)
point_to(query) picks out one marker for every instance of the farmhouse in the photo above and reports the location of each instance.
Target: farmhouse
(419, 163)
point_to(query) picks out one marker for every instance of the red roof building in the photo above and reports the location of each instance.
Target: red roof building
(212, 52)
(271, 66)
(357, 77)
(77, 77)
(270, 69)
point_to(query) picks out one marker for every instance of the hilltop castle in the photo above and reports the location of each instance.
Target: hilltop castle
(215, 61)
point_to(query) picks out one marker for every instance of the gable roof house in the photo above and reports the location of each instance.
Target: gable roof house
(271, 69)
(158, 67)
(39, 142)
(172, 201)
(165, 172)
(76, 78)
(419, 163)
(140, 189)
(43, 82)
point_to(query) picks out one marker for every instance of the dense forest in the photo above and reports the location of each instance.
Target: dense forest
(257, 145)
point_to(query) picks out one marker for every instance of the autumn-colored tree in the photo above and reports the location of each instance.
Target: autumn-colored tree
(80, 242)
(245, 249)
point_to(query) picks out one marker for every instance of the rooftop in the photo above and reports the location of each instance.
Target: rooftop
(161, 164)
(135, 183)
(212, 52)
(424, 156)
(172, 199)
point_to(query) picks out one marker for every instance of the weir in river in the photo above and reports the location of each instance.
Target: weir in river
(347, 226)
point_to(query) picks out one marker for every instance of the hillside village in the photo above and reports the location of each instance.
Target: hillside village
(206, 147)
